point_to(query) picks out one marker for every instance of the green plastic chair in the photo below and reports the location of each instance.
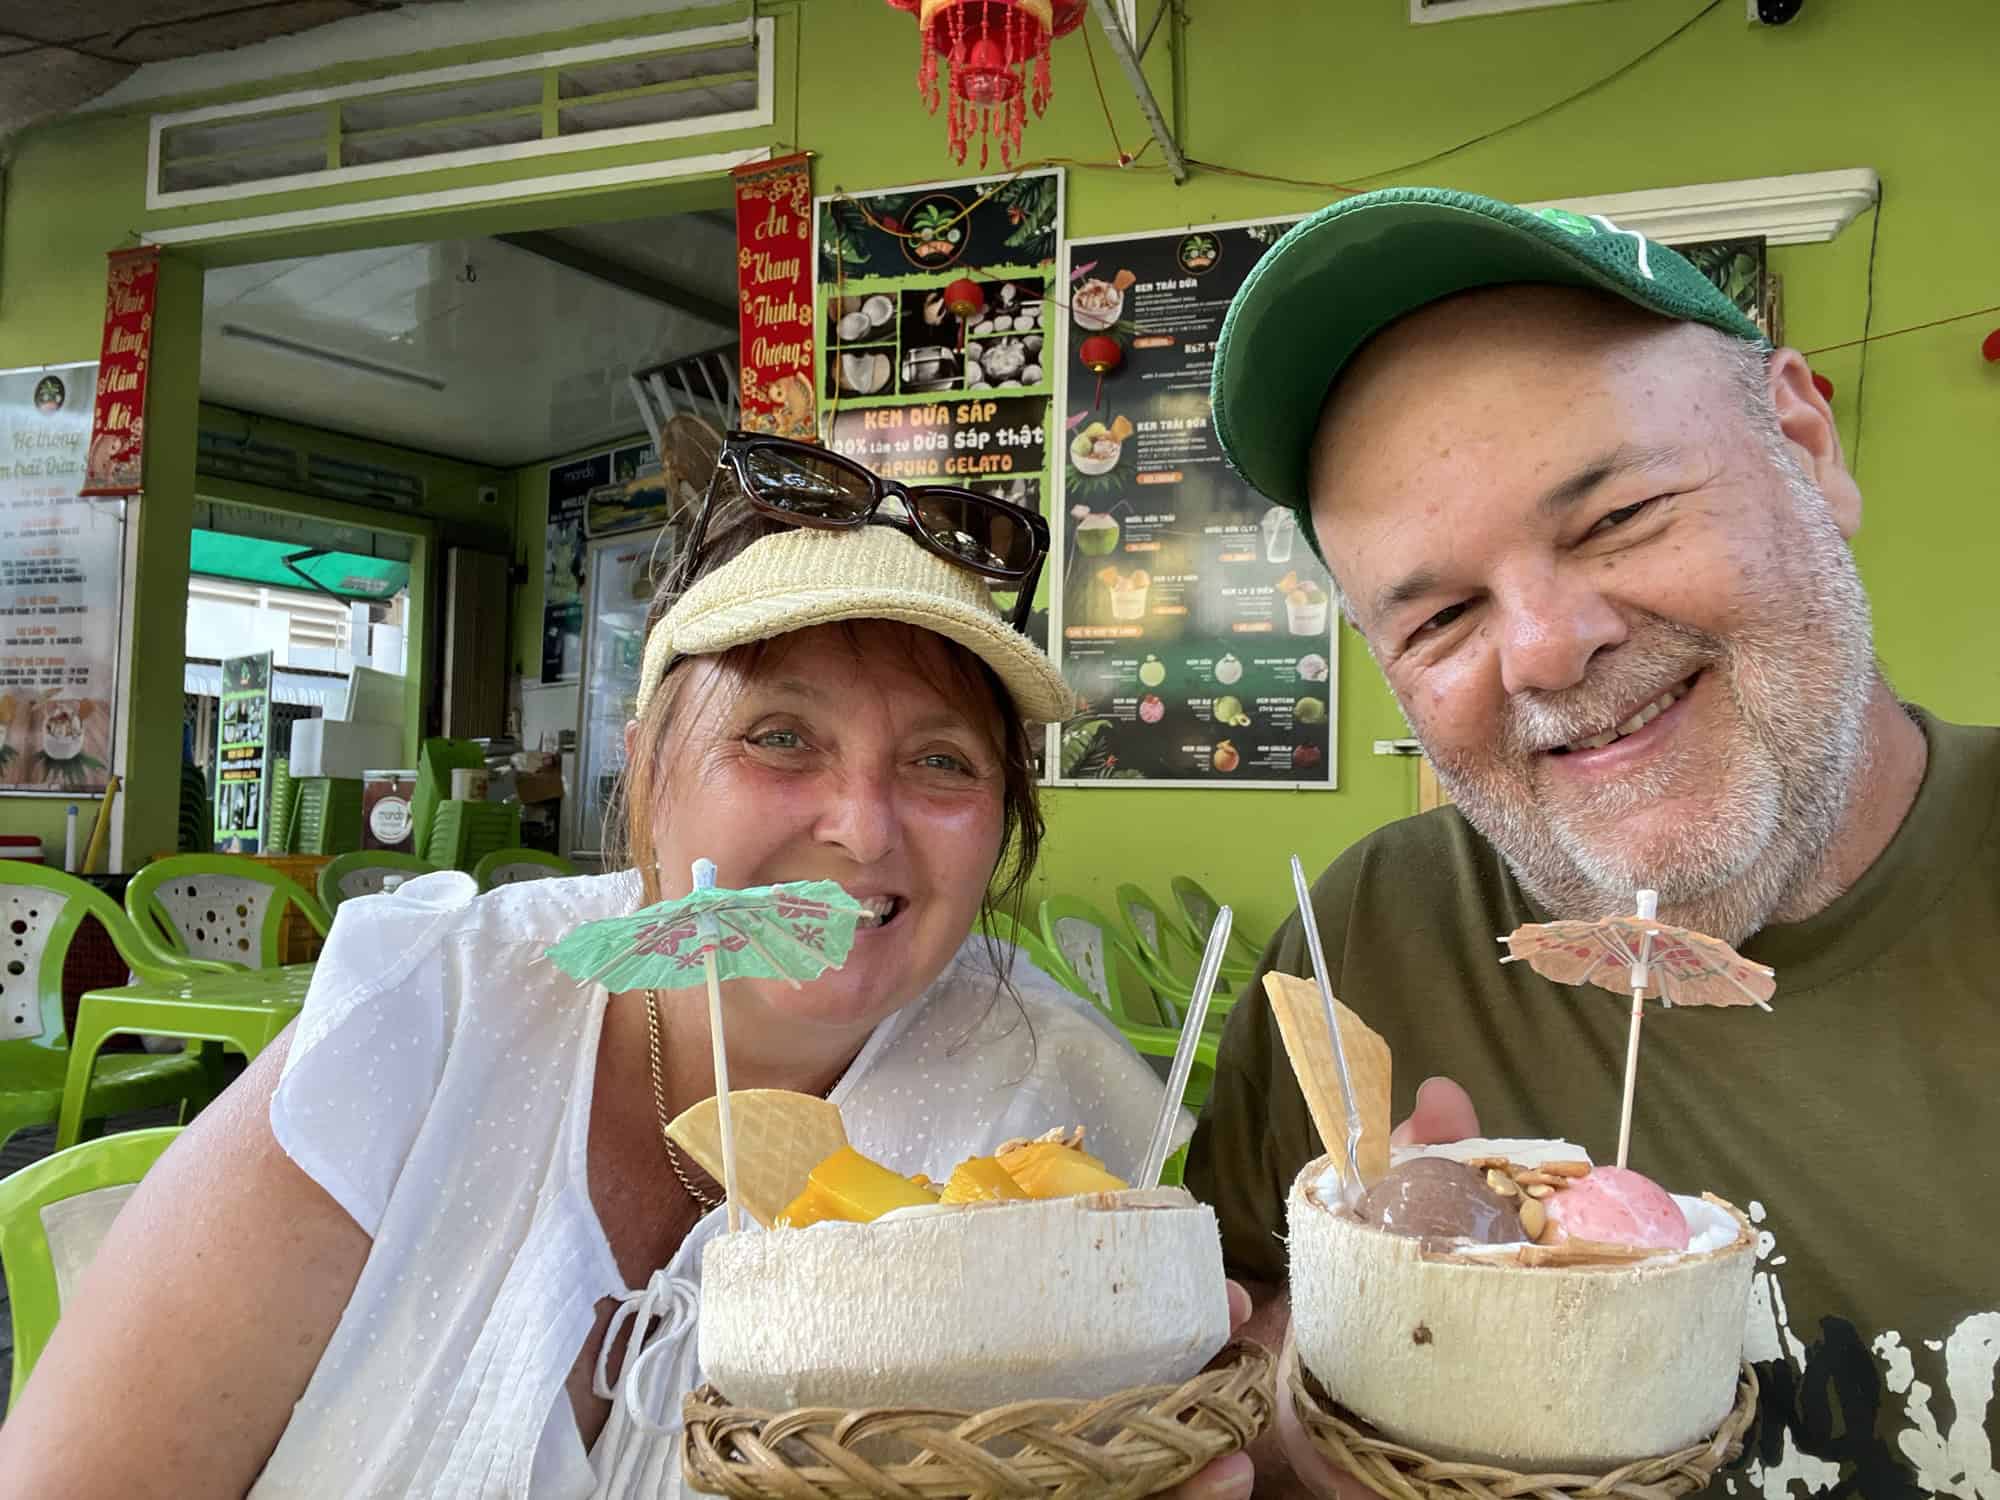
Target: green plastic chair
(362, 873)
(40, 912)
(1171, 965)
(218, 907)
(1198, 910)
(1111, 970)
(1003, 928)
(53, 1216)
(511, 866)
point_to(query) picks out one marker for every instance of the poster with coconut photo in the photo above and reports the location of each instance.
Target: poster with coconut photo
(242, 754)
(1193, 621)
(940, 342)
(62, 564)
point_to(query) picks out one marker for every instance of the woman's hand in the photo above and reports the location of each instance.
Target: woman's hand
(1230, 1477)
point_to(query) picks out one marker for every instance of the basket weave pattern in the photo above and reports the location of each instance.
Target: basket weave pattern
(1119, 1447)
(1401, 1473)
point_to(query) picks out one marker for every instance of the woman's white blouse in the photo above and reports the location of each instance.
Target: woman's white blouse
(439, 1088)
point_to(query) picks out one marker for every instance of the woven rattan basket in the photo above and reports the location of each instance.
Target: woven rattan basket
(1401, 1473)
(1136, 1442)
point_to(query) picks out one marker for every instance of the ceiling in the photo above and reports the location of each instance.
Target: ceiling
(499, 353)
(55, 58)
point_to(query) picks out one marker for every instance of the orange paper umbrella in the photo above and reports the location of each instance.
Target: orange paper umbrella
(1646, 959)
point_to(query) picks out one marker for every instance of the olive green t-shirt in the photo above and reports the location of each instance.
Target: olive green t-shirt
(1855, 1123)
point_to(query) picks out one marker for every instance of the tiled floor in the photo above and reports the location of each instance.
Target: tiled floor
(31, 1146)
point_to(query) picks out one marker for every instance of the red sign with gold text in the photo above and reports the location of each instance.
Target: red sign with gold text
(118, 427)
(774, 287)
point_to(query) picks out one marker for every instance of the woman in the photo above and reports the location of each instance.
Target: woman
(413, 1250)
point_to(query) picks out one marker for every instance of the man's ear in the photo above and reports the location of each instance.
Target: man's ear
(1807, 424)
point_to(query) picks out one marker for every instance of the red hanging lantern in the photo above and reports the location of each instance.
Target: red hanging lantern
(965, 299)
(1101, 354)
(1990, 347)
(1823, 386)
(1068, 14)
(996, 55)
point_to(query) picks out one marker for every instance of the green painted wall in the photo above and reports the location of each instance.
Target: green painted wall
(1347, 93)
(1351, 93)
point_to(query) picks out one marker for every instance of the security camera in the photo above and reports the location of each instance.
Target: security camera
(1773, 12)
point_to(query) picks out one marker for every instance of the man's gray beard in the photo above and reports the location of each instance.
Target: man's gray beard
(1801, 687)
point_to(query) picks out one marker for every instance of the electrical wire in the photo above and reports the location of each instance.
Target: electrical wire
(1867, 321)
(1589, 88)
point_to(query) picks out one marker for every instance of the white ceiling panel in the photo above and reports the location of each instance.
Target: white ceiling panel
(472, 348)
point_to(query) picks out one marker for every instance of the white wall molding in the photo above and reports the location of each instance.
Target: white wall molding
(1803, 208)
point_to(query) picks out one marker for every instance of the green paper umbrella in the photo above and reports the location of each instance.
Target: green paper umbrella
(792, 932)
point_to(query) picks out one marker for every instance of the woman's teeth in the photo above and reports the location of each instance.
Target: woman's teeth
(1637, 722)
(878, 910)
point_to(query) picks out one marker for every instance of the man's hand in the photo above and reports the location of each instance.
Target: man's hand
(1443, 1113)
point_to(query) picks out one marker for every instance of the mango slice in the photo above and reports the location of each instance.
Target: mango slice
(1047, 1170)
(981, 1179)
(847, 1185)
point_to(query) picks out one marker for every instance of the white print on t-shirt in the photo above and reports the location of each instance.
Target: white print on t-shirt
(1957, 1461)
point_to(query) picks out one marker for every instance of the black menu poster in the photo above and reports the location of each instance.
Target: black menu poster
(1195, 623)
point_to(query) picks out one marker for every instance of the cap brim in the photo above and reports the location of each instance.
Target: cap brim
(1338, 278)
(1038, 690)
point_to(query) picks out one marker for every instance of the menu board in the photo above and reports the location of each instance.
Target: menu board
(921, 392)
(61, 587)
(570, 485)
(242, 754)
(1195, 623)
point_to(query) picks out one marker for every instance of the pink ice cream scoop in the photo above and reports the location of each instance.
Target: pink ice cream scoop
(1617, 1206)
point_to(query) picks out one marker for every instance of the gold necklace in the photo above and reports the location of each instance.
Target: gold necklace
(706, 1203)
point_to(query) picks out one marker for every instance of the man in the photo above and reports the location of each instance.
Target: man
(1594, 531)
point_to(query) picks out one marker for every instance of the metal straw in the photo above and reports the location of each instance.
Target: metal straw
(1191, 1024)
(1352, 1185)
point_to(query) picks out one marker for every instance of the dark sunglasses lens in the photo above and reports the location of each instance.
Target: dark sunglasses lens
(981, 532)
(805, 484)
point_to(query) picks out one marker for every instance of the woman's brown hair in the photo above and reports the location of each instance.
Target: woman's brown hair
(732, 526)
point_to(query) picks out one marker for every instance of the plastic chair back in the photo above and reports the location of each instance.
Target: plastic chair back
(1003, 928)
(511, 866)
(362, 873)
(54, 1214)
(1198, 909)
(40, 912)
(218, 907)
(1090, 945)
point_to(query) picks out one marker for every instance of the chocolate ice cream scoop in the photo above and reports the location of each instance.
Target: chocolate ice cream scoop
(1435, 1199)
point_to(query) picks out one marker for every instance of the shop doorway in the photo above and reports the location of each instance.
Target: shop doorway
(442, 382)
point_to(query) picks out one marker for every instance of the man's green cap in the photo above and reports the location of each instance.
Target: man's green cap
(1338, 278)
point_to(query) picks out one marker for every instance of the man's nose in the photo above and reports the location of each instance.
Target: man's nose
(1551, 625)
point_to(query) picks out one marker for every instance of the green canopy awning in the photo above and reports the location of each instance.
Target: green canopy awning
(253, 560)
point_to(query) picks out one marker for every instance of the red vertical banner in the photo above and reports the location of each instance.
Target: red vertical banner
(118, 426)
(774, 287)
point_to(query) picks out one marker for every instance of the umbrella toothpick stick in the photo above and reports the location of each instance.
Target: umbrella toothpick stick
(710, 937)
(1649, 908)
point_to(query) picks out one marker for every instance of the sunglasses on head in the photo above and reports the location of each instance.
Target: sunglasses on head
(804, 485)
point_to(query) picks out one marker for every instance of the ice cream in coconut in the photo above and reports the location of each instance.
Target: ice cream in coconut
(1029, 1273)
(1505, 1301)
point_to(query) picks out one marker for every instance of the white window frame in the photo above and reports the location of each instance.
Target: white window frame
(743, 119)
